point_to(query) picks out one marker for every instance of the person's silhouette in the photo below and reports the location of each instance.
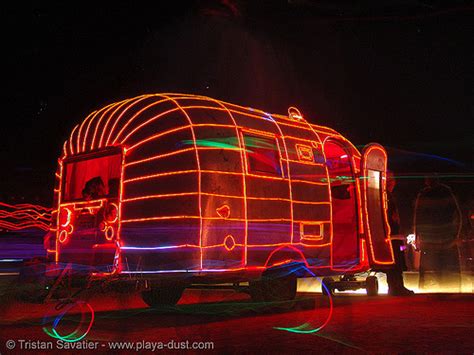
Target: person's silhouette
(437, 228)
(395, 283)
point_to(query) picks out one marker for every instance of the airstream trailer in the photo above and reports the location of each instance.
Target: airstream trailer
(175, 189)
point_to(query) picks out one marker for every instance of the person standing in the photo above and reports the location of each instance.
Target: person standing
(395, 283)
(437, 228)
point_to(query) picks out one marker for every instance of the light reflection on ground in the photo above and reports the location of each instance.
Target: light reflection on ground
(411, 282)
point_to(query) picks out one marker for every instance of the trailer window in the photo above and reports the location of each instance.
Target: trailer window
(92, 178)
(263, 155)
(305, 152)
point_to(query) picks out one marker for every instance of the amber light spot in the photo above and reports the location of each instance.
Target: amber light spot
(229, 242)
(112, 213)
(223, 211)
(294, 113)
(65, 217)
(305, 153)
(109, 233)
(102, 226)
(63, 236)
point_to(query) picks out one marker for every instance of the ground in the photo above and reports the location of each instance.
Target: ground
(424, 323)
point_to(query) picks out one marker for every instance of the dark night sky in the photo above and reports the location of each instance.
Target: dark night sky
(397, 72)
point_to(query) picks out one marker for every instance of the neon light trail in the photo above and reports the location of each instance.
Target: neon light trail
(83, 327)
(24, 216)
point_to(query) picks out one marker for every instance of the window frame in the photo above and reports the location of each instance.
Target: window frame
(267, 135)
(110, 151)
(301, 150)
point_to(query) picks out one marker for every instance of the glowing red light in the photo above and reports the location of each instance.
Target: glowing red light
(109, 233)
(63, 235)
(223, 211)
(112, 213)
(24, 216)
(65, 217)
(229, 243)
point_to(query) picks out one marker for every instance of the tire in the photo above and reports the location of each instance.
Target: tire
(372, 286)
(257, 291)
(327, 281)
(277, 289)
(164, 294)
(280, 289)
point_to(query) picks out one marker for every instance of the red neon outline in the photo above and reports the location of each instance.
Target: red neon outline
(109, 233)
(119, 124)
(223, 211)
(244, 183)
(132, 103)
(116, 217)
(384, 204)
(311, 237)
(24, 216)
(117, 107)
(68, 218)
(305, 153)
(64, 235)
(230, 238)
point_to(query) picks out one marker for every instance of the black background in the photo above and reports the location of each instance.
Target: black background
(396, 72)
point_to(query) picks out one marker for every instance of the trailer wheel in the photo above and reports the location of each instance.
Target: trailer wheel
(327, 281)
(372, 285)
(257, 290)
(280, 288)
(164, 294)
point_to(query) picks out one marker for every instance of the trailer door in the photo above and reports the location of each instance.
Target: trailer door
(373, 183)
(344, 206)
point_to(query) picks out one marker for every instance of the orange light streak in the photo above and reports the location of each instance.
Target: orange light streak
(157, 136)
(97, 125)
(384, 206)
(131, 119)
(305, 153)
(139, 198)
(71, 139)
(199, 175)
(145, 219)
(160, 156)
(137, 100)
(24, 216)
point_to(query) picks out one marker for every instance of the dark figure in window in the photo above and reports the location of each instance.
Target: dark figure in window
(94, 189)
(395, 275)
(437, 227)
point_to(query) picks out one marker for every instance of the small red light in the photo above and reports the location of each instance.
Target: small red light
(65, 217)
(109, 233)
(102, 226)
(112, 213)
(223, 211)
(229, 243)
(63, 236)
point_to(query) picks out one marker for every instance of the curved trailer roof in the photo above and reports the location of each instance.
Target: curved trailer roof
(200, 138)
(133, 121)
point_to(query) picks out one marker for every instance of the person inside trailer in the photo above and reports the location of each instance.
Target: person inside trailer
(93, 189)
